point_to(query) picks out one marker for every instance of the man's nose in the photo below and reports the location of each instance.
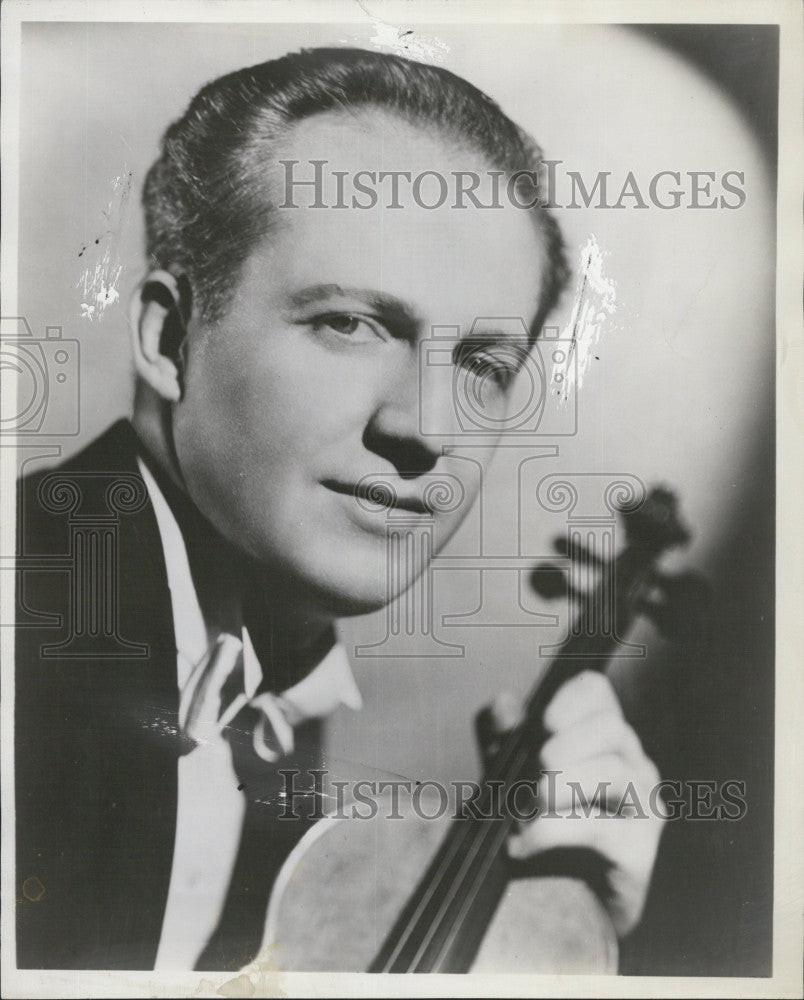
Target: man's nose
(413, 420)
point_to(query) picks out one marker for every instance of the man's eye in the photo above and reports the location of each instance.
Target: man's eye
(357, 328)
(483, 366)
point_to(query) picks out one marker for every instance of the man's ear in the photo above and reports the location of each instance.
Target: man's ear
(158, 332)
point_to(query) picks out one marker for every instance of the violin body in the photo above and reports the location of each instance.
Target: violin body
(342, 889)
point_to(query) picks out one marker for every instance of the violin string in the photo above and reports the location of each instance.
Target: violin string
(455, 846)
(499, 833)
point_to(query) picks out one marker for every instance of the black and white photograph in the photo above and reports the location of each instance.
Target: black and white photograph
(401, 557)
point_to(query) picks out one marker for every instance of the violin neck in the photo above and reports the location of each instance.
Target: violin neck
(605, 616)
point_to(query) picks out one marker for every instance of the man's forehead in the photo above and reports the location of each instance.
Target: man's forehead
(443, 273)
(340, 217)
(374, 138)
(377, 161)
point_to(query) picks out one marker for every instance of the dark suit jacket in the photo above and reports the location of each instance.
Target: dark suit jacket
(96, 727)
(96, 704)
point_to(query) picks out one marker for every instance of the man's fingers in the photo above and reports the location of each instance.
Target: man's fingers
(597, 794)
(560, 829)
(588, 693)
(628, 843)
(591, 737)
(608, 778)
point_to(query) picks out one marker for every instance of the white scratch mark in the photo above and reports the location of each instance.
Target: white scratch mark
(98, 281)
(595, 300)
(405, 41)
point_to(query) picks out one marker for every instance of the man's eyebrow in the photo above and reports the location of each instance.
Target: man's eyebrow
(388, 305)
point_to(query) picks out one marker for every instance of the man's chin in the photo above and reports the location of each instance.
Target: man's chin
(350, 601)
(348, 595)
(342, 580)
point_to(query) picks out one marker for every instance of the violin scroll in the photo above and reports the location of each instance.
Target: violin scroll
(674, 603)
(655, 523)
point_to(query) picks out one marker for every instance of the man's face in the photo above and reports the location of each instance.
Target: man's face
(311, 391)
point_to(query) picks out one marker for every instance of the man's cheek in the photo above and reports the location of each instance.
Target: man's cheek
(297, 406)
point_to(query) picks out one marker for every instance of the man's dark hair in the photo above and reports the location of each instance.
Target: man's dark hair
(206, 200)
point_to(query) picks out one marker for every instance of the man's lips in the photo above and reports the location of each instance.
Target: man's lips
(381, 492)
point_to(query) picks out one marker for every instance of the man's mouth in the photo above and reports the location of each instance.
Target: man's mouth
(380, 493)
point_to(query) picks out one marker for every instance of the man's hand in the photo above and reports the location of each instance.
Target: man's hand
(592, 746)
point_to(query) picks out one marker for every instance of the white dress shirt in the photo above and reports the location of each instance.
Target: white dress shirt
(210, 806)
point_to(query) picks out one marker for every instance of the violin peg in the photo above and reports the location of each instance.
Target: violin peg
(561, 545)
(656, 523)
(575, 550)
(549, 581)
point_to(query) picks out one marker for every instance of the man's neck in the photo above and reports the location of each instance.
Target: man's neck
(233, 589)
